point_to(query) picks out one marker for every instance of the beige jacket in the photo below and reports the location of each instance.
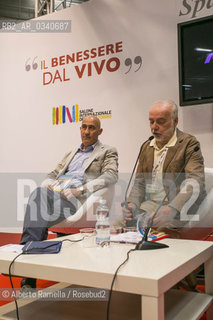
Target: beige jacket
(173, 164)
(101, 168)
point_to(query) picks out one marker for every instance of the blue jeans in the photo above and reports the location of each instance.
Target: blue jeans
(45, 208)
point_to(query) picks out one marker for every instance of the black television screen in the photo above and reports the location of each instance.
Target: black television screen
(195, 55)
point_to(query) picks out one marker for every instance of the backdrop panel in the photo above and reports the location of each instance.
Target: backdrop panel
(119, 58)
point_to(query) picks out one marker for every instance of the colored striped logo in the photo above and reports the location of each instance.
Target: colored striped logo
(59, 114)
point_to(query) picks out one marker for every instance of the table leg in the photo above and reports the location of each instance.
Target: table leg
(152, 308)
(209, 285)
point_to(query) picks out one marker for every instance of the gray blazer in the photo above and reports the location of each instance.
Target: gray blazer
(101, 168)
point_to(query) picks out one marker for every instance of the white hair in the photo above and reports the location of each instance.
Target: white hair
(172, 104)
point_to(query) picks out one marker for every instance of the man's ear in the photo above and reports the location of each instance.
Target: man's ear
(176, 121)
(100, 131)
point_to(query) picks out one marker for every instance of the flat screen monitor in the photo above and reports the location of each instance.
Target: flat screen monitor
(195, 57)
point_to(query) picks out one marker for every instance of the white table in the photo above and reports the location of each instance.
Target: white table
(149, 274)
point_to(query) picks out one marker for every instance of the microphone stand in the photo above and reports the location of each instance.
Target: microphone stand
(125, 203)
(144, 244)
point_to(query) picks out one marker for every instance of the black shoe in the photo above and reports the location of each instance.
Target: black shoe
(28, 283)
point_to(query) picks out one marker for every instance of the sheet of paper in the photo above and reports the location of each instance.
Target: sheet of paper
(135, 237)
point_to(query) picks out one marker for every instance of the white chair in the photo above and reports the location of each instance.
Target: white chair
(209, 179)
(198, 230)
(85, 215)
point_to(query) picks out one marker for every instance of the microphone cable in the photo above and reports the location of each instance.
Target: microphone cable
(11, 282)
(208, 236)
(113, 280)
(10, 273)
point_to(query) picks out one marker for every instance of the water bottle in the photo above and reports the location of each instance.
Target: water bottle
(102, 225)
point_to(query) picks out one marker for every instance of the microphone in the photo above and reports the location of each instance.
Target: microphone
(125, 203)
(144, 244)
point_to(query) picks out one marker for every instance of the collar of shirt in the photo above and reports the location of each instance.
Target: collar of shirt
(170, 143)
(88, 149)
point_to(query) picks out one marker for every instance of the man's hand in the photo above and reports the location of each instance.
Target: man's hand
(164, 215)
(127, 211)
(70, 193)
(51, 186)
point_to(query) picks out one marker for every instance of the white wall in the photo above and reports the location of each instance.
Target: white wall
(30, 143)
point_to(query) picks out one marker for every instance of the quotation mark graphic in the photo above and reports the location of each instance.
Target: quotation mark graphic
(28, 65)
(137, 61)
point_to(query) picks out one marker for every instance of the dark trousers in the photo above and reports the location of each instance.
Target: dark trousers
(45, 208)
